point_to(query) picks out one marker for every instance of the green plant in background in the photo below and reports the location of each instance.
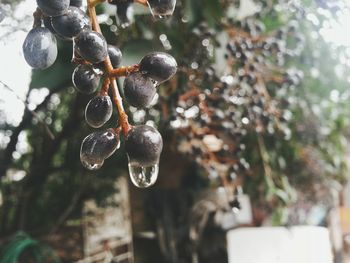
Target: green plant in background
(22, 248)
(260, 100)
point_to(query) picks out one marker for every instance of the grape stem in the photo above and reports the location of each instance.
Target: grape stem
(112, 73)
(93, 3)
(105, 86)
(142, 2)
(123, 71)
(38, 14)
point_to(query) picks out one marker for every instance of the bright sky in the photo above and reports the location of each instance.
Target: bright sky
(337, 32)
(13, 69)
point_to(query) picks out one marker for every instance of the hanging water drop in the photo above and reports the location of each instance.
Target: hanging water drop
(143, 177)
(162, 8)
(91, 166)
(143, 145)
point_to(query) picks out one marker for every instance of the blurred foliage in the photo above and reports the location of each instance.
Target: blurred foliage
(303, 161)
(24, 249)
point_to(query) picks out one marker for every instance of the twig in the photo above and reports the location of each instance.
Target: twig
(265, 160)
(123, 71)
(142, 2)
(111, 72)
(105, 87)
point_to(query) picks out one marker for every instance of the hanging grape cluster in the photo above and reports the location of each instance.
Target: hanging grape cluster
(250, 97)
(98, 68)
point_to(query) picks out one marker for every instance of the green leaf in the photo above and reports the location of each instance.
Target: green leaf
(213, 11)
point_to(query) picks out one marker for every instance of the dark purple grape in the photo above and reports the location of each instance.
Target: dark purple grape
(71, 23)
(115, 55)
(53, 7)
(98, 111)
(97, 147)
(85, 79)
(92, 46)
(143, 145)
(162, 7)
(40, 48)
(77, 3)
(158, 66)
(48, 24)
(139, 90)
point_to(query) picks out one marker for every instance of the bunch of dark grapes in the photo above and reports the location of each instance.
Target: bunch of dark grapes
(220, 108)
(98, 67)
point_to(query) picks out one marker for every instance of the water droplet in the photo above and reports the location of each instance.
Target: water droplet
(161, 11)
(143, 177)
(91, 166)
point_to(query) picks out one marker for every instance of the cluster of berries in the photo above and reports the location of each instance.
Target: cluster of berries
(99, 63)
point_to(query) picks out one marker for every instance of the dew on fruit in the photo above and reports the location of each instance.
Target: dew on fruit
(161, 9)
(90, 165)
(143, 177)
(161, 17)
